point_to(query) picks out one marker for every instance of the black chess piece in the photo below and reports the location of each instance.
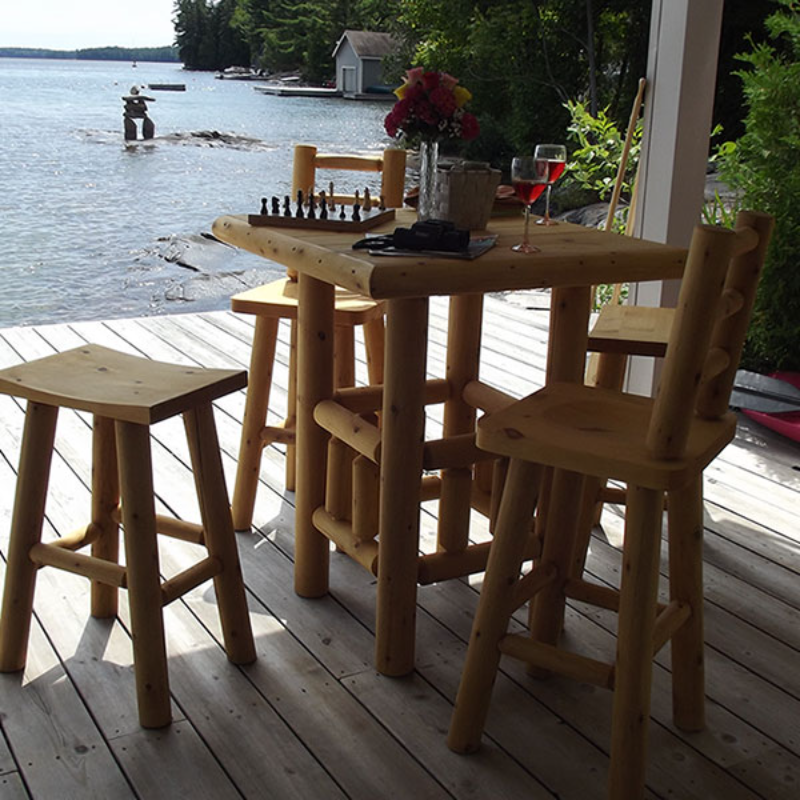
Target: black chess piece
(299, 211)
(323, 205)
(342, 214)
(312, 209)
(264, 206)
(275, 205)
(356, 212)
(287, 206)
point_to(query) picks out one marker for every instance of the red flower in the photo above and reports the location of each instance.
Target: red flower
(443, 100)
(430, 80)
(469, 126)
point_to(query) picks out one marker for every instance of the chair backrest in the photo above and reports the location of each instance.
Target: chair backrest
(714, 307)
(391, 164)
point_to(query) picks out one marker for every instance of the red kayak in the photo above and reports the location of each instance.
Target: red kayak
(786, 423)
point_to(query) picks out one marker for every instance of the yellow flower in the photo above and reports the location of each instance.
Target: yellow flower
(400, 91)
(462, 96)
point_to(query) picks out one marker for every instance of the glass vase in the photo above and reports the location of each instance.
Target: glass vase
(428, 164)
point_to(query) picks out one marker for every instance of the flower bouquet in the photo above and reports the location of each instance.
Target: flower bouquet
(430, 109)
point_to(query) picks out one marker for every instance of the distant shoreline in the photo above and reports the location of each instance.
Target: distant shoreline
(168, 53)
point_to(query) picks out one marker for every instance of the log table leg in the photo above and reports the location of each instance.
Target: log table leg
(463, 359)
(314, 384)
(401, 469)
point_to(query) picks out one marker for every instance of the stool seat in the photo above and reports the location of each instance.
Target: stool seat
(116, 385)
(599, 432)
(125, 394)
(280, 299)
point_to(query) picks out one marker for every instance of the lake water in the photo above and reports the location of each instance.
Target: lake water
(92, 228)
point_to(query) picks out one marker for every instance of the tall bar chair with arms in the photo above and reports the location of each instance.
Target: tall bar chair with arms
(278, 300)
(655, 445)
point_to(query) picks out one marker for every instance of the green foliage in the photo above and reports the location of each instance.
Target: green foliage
(522, 60)
(720, 212)
(286, 35)
(595, 159)
(763, 167)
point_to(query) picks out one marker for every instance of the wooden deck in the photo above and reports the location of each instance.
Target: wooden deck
(311, 718)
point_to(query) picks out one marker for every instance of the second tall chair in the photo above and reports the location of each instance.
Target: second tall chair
(278, 300)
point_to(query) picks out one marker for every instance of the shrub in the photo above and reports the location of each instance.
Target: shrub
(762, 165)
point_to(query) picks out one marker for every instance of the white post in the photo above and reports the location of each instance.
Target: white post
(681, 80)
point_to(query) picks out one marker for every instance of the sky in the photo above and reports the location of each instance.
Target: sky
(75, 24)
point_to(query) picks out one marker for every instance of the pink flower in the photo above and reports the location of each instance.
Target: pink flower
(414, 75)
(447, 80)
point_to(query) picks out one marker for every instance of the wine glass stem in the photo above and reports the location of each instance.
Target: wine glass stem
(527, 222)
(547, 204)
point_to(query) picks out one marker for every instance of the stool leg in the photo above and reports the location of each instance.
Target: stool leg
(144, 583)
(291, 411)
(685, 514)
(562, 518)
(344, 356)
(634, 664)
(105, 502)
(262, 359)
(374, 345)
(494, 610)
(220, 538)
(26, 530)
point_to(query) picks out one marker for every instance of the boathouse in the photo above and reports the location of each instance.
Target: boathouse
(358, 57)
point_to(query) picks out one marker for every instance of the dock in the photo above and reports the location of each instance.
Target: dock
(311, 718)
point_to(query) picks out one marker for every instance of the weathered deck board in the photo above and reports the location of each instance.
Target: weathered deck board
(311, 717)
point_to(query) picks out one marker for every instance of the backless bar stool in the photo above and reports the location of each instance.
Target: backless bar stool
(278, 300)
(126, 394)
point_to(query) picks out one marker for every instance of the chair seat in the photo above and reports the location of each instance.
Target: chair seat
(636, 330)
(279, 299)
(116, 385)
(598, 432)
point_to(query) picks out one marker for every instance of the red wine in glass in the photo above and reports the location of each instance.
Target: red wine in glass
(554, 170)
(552, 159)
(528, 191)
(529, 182)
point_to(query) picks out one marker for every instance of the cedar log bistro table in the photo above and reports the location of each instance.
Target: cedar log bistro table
(570, 261)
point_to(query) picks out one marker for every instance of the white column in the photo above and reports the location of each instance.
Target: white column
(681, 79)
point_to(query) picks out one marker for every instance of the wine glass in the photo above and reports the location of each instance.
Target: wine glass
(529, 179)
(552, 158)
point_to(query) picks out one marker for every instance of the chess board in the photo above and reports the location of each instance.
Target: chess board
(368, 220)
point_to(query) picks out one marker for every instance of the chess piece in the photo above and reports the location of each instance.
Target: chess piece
(311, 213)
(367, 204)
(331, 200)
(275, 206)
(287, 206)
(323, 205)
(382, 204)
(264, 211)
(299, 211)
(356, 210)
(342, 214)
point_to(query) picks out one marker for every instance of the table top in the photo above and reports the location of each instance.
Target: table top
(570, 255)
